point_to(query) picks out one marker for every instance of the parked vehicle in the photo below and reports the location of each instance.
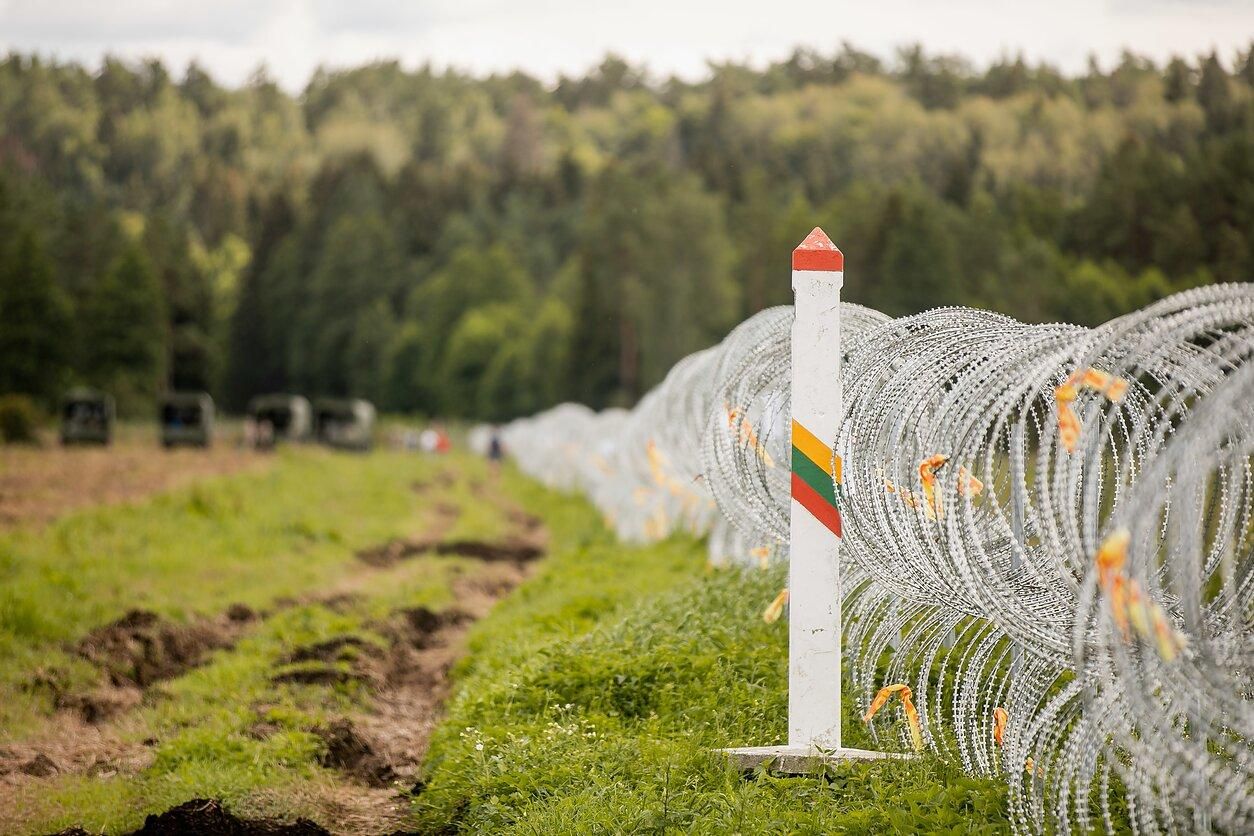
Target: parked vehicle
(87, 417)
(186, 419)
(347, 424)
(281, 418)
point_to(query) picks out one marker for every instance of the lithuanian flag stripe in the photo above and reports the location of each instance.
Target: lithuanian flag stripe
(813, 484)
(816, 505)
(809, 444)
(816, 477)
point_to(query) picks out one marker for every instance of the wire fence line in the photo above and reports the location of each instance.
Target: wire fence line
(1048, 534)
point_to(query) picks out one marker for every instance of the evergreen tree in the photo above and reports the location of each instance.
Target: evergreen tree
(123, 322)
(655, 285)
(34, 322)
(1246, 67)
(360, 267)
(257, 359)
(1214, 93)
(1177, 81)
(189, 361)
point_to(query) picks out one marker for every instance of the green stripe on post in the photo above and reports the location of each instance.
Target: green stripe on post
(814, 476)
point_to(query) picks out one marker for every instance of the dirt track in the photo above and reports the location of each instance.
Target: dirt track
(373, 753)
(38, 484)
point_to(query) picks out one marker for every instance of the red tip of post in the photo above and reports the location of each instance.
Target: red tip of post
(818, 252)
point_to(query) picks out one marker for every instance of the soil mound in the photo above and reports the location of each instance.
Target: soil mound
(348, 751)
(207, 817)
(393, 551)
(510, 551)
(340, 648)
(141, 648)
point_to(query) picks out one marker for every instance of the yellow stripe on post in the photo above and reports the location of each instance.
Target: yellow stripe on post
(814, 450)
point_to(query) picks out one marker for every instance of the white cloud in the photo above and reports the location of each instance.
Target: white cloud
(548, 37)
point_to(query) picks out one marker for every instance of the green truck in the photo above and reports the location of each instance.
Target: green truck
(285, 417)
(347, 424)
(87, 417)
(186, 419)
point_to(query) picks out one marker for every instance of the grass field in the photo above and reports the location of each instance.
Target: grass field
(281, 640)
(211, 641)
(595, 696)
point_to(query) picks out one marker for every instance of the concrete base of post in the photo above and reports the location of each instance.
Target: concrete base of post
(800, 760)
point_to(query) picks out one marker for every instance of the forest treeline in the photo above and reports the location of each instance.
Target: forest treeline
(485, 247)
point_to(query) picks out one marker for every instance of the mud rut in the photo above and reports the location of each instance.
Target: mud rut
(377, 751)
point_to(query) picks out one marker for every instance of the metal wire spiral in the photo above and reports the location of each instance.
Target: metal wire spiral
(1049, 534)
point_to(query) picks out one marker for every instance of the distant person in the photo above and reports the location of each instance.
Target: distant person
(496, 452)
(265, 434)
(428, 441)
(442, 442)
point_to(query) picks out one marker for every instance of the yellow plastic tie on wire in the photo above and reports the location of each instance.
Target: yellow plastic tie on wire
(1113, 388)
(776, 608)
(907, 704)
(746, 435)
(1000, 718)
(968, 484)
(927, 475)
(1130, 608)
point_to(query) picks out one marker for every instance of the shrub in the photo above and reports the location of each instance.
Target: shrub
(18, 419)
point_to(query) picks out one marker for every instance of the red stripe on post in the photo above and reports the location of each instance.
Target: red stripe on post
(816, 505)
(818, 252)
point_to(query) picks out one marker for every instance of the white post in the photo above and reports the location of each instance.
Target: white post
(814, 665)
(818, 273)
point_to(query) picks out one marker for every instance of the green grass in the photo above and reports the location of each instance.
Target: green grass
(249, 539)
(591, 699)
(289, 533)
(202, 723)
(596, 695)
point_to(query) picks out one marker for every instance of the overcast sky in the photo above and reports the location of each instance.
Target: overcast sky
(548, 37)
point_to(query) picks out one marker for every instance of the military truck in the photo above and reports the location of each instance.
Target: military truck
(186, 419)
(87, 417)
(345, 423)
(288, 417)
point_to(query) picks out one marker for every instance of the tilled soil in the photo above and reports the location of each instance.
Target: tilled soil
(39, 484)
(206, 817)
(393, 551)
(403, 661)
(379, 751)
(140, 649)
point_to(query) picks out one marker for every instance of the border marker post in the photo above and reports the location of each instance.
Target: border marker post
(814, 633)
(818, 273)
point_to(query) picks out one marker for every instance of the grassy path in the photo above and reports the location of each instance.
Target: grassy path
(276, 640)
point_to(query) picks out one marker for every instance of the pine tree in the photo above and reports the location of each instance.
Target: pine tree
(1214, 94)
(1177, 81)
(257, 363)
(34, 319)
(189, 305)
(123, 325)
